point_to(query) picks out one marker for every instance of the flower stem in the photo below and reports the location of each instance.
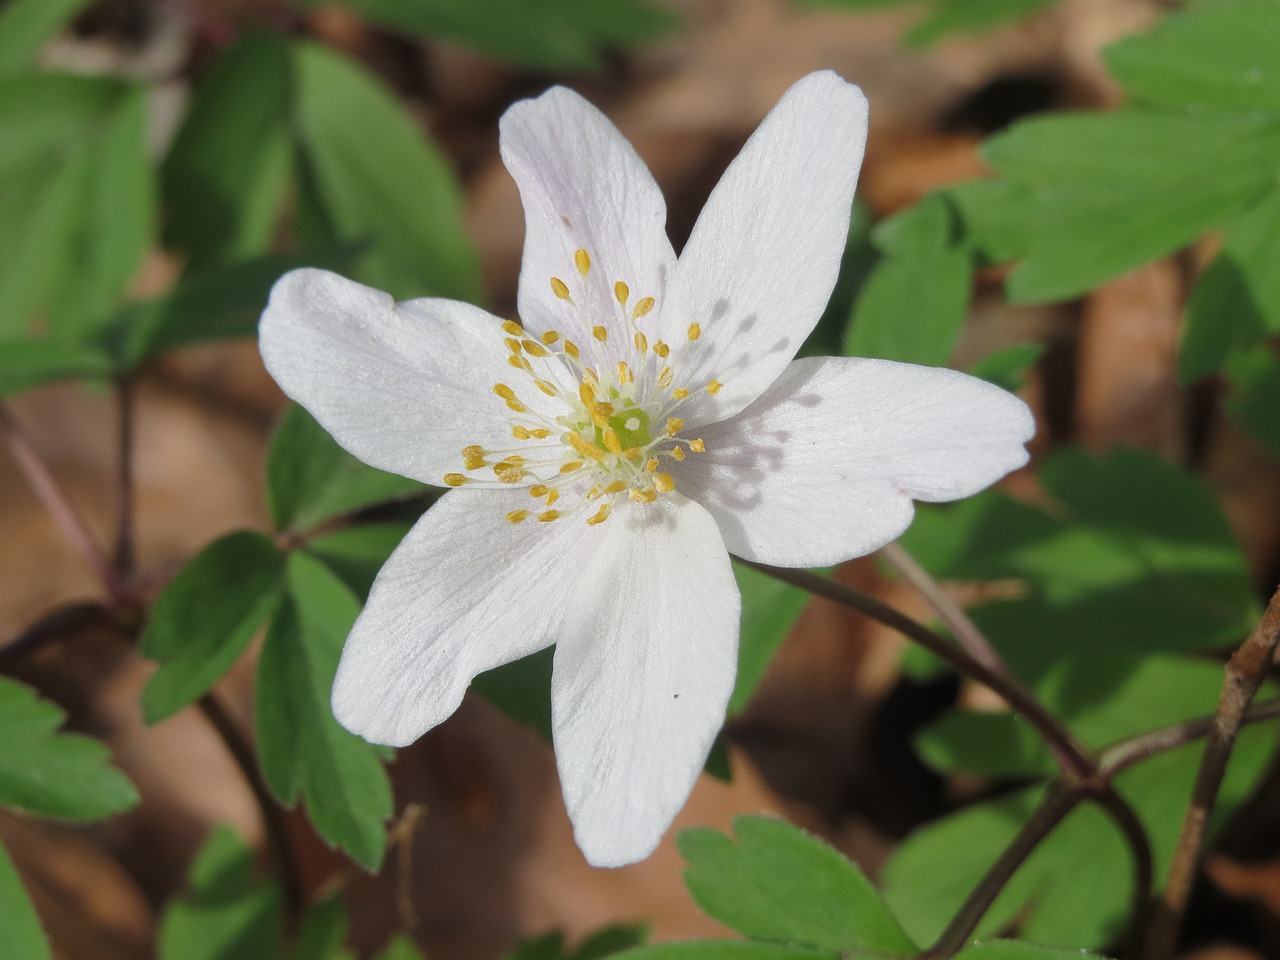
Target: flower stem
(53, 627)
(1245, 672)
(962, 628)
(1070, 755)
(272, 817)
(63, 514)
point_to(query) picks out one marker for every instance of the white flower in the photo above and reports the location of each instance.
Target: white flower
(646, 421)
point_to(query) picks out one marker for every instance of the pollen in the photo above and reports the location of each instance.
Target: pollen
(642, 342)
(534, 349)
(642, 308)
(601, 515)
(455, 479)
(549, 337)
(513, 328)
(582, 260)
(661, 349)
(674, 425)
(621, 293)
(600, 333)
(515, 516)
(546, 516)
(679, 393)
(678, 454)
(571, 349)
(695, 330)
(697, 446)
(561, 289)
(714, 387)
(663, 482)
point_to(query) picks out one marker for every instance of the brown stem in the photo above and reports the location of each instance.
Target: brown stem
(1135, 834)
(124, 553)
(970, 638)
(1245, 672)
(1123, 754)
(53, 627)
(1059, 801)
(272, 817)
(1070, 755)
(64, 515)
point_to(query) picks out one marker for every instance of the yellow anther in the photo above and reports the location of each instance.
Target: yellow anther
(714, 387)
(594, 493)
(548, 388)
(587, 394)
(549, 337)
(582, 260)
(663, 482)
(697, 446)
(475, 463)
(505, 392)
(679, 393)
(534, 349)
(622, 292)
(520, 433)
(610, 437)
(539, 491)
(642, 342)
(515, 516)
(541, 433)
(677, 453)
(603, 410)
(517, 407)
(571, 466)
(665, 378)
(509, 475)
(585, 447)
(455, 479)
(695, 331)
(601, 515)
(661, 349)
(473, 450)
(571, 349)
(674, 425)
(617, 486)
(591, 374)
(520, 363)
(546, 516)
(512, 344)
(624, 373)
(642, 308)
(560, 289)
(645, 495)
(552, 497)
(515, 460)
(600, 333)
(651, 465)
(513, 328)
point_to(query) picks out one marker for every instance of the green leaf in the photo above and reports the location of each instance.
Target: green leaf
(1237, 300)
(966, 16)
(607, 942)
(1008, 368)
(369, 175)
(303, 750)
(356, 554)
(206, 617)
(522, 690)
(543, 34)
(75, 199)
(1133, 556)
(224, 915)
(1075, 890)
(32, 363)
(321, 932)
(311, 479)
(61, 775)
(778, 883)
(1090, 196)
(225, 176)
(1219, 59)
(769, 610)
(913, 304)
(21, 936)
(1017, 950)
(1255, 384)
(25, 27)
(401, 948)
(723, 950)
(987, 744)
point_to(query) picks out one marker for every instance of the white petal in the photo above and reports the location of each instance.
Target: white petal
(404, 387)
(824, 466)
(762, 260)
(642, 675)
(464, 592)
(584, 188)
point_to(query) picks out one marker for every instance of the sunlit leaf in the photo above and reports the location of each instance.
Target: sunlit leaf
(32, 363)
(26, 25)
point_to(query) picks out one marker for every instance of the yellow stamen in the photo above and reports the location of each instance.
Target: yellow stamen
(610, 437)
(539, 491)
(714, 387)
(586, 394)
(560, 289)
(582, 260)
(520, 433)
(520, 363)
(473, 450)
(624, 373)
(646, 495)
(622, 292)
(552, 497)
(697, 446)
(674, 425)
(571, 349)
(642, 308)
(548, 388)
(677, 453)
(642, 342)
(515, 516)
(601, 515)
(534, 348)
(541, 433)
(695, 331)
(549, 337)
(513, 328)
(617, 486)
(505, 392)
(455, 479)
(548, 515)
(651, 465)
(663, 482)
(512, 344)
(571, 466)
(585, 447)
(475, 463)
(665, 378)
(661, 349)
(600, 333)
(679, 393)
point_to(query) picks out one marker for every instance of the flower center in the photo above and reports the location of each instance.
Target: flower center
(611, 424)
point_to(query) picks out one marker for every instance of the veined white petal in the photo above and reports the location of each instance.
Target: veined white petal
(405, 386)
(643, 672)
(584, 188)
(760, 265)
(464, 592)
(825, 465)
